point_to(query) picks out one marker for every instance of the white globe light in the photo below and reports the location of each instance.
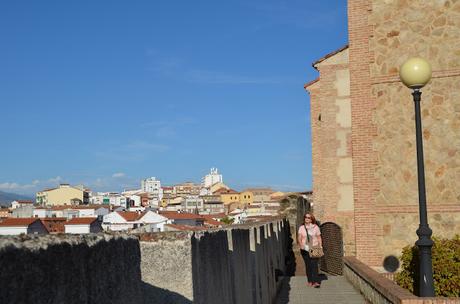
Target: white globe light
(415, 73)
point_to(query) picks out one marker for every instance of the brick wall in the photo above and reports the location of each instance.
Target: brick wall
(331, 145)
(366, 186)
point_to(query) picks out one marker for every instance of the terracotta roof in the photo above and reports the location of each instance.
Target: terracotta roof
(54, 224)
(91, 206)
(25, 201)
(185, 227)
(48, 189)
(212, 222)
(329, 55)
(131, 216)
(173, 215)
(81, 221)
(259, 190)
(18, 221)
(213, 216)
(62, 207)
(52, 219)
(225, 191)
(310, 83)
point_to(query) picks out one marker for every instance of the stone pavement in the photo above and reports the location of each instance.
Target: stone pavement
(334, 290)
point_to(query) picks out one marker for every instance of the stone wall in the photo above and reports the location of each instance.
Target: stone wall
(399, 30)
(241, 264)
(361, 114)
(166, 267)
(378, 289)
(70, 269)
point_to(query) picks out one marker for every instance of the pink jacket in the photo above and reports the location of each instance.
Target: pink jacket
(313, 233)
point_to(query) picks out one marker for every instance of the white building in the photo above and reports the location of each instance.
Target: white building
(192, 203)
(238, 215)
(16, 226)
(83, 225)
(125, 220)
(21, 203)
(42, 212)
(212, 178)
(108, 198)
(92, 210)
(152, 186)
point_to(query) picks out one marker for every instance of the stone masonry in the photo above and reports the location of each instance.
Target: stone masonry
(383, 215)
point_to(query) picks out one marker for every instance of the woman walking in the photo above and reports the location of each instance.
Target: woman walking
(309, 235)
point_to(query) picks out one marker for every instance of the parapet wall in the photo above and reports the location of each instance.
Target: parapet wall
(240, 264)
(166, 267)
(95, 268)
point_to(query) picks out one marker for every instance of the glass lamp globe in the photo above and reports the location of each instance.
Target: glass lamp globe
(415, 73)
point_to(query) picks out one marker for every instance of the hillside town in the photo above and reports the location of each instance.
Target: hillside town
(151, 208)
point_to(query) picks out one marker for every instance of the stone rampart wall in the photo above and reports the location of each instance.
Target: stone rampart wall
(70, 269)
(166, 267)
(240, 264)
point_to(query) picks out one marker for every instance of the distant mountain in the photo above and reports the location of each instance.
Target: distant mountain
(6, 198)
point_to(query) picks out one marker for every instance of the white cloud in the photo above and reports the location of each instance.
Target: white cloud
(55, 180)
(118, 174)
(9, 186)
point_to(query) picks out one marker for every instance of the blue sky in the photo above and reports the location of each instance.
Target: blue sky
(104, 93)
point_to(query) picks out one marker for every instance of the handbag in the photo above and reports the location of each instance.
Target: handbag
(314, 251)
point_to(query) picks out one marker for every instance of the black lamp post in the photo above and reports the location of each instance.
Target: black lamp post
(415, 74)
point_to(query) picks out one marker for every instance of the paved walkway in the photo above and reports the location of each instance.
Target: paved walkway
(334, 290)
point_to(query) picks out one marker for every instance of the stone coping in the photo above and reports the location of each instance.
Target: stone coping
(43, 241)
(388, 289)
(174, 235)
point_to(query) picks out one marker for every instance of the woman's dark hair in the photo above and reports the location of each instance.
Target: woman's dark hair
(313, 219)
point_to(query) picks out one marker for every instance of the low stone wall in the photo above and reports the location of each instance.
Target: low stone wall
(70, 269)
(380, 290)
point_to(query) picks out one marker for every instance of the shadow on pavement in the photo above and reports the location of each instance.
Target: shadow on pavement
(323, 277)
(283, 293)
(154, 294)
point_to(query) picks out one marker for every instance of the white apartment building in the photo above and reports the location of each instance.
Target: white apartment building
(212, 178)
(108, 198)
(152, 186)
(192, 203)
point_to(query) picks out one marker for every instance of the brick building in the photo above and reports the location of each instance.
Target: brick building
(363, 130)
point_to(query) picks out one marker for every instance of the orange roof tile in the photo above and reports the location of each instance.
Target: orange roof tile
(18, 221)
(213, 216)
(186, 227)
(52, 219)
(91, 206)
(212, 222)
(131, 216)
(330, 55)
(81, 221)
(225, 191)
(310, 83)
(182, 215)
(25, 201)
